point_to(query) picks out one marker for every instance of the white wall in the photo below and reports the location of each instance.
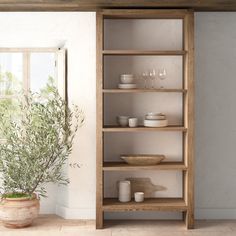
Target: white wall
(77, 32)
(215, 50)
(215, 110)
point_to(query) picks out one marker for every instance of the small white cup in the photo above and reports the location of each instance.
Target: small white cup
(133, 122)
(139, 196)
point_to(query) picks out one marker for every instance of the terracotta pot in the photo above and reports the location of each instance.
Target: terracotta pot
(19, 212)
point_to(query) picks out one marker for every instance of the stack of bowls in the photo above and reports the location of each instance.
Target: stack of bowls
(155, 120)
(127, 82)
(122, 121)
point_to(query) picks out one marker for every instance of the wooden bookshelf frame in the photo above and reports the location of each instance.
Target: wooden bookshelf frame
(185, 204)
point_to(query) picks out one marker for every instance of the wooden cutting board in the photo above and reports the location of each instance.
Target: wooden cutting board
(144, 185)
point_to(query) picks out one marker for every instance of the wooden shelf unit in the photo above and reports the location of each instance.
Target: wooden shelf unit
(186, 203)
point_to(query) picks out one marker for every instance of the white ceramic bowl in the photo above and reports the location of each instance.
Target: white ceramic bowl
(155, 117)
(127, 79)
(122, 121)
(127, 86)
(123, 117)
(155, 123)
(154, 114)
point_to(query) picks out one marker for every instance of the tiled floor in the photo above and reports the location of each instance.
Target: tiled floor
(56, 226)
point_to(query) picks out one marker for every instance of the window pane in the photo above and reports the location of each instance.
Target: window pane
(42, 71)
(11, 73)
(10, 105)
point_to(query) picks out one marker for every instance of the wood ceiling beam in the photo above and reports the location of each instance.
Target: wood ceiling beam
(91, 5)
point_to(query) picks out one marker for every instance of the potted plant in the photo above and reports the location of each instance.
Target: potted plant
(37, 142)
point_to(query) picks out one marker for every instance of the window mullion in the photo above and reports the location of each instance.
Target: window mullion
(26, 72)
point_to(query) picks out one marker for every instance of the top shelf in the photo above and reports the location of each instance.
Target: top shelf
(141, 52)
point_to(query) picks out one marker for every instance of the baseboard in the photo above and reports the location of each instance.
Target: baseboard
(215, 214)
(75, 213)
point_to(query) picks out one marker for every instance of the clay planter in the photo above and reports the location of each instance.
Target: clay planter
(19, 212)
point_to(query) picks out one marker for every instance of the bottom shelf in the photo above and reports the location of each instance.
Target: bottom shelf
(149, 204)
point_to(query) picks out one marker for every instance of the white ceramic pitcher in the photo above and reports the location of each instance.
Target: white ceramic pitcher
(124, 191)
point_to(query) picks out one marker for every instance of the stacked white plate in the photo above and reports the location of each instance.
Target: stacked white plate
(155, 120)
(127, 86)
(127, 82)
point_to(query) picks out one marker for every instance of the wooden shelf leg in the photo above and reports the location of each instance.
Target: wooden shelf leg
(189, 199)
(189, 219)
(99, 220)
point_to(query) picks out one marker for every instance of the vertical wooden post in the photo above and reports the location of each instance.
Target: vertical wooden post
(99, 84)
(189, 118)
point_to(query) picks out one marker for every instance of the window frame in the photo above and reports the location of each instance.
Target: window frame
(26, 53)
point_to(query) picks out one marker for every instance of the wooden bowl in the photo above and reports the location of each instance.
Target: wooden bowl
(142, 160)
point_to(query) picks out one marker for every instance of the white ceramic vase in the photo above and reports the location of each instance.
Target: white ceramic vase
(124, 191)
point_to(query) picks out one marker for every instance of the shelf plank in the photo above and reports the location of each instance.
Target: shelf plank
(142, 128)
(149, 204)
(144, 90)
(121, 166)
(144, 53)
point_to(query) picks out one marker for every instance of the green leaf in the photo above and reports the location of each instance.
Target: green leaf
(39, 134)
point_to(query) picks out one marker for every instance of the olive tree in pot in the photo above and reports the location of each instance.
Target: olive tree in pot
(37, 142)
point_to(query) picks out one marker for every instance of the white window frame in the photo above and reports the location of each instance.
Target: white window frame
(62, 85)
(26, 64)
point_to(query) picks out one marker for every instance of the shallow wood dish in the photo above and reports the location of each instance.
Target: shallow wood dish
(139, 160)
